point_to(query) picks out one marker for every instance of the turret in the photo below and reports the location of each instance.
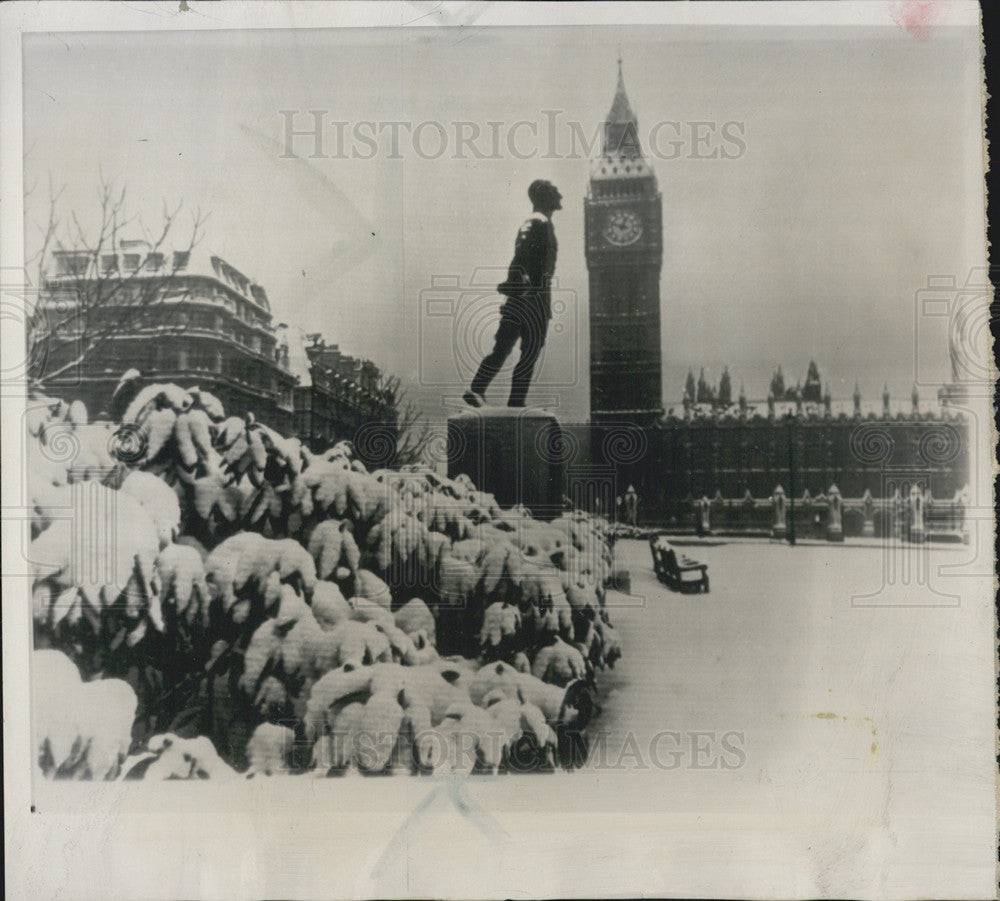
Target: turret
(690, 392)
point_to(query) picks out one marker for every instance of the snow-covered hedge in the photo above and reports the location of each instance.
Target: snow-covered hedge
(294, 612)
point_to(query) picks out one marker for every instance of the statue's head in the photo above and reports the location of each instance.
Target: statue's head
(544, 196)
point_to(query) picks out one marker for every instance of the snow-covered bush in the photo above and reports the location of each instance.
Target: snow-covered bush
(379, 619)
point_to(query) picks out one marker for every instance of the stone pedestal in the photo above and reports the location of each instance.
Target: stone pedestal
(868, 509)
(898, 515)
(516, 454)
(704, 522)
(917, 534)
(780, 528)
(835, 524)
(961, 504)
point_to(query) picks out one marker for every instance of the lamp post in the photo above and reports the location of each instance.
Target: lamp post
(791, 478)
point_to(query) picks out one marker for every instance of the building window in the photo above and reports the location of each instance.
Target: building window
(201, 358)
(202, 319)
(130, 262)
(167, 358)
(109, 262)
(72, 263)
(133, 356)
(154, 261)
(181, 259)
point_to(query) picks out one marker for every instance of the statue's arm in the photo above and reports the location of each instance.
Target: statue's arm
(527, 267)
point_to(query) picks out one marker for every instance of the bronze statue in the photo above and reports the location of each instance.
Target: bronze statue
(526, 313)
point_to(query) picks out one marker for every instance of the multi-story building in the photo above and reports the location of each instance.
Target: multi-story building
(335, 393)
(181, 317)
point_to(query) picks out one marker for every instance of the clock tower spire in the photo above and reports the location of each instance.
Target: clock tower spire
(621, 129)
(624, 248)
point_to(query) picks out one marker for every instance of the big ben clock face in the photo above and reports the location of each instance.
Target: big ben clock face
(622, 227)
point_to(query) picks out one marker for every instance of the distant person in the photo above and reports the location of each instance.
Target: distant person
(525, 315)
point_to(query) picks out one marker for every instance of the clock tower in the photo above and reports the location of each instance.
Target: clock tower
(623, 222)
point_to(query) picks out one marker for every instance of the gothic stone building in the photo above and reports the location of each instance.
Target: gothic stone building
(734, 454)
(624, 249)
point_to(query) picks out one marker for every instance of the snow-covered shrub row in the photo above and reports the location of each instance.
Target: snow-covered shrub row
(299, 612)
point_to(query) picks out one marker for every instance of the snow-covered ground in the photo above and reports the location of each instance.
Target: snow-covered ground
(772, 738)
(861, 723)
(793, 733)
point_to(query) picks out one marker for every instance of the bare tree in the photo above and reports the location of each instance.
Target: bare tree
(412, 432)
(96, 299)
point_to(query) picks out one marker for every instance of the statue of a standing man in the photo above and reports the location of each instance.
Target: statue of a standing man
(525, 315)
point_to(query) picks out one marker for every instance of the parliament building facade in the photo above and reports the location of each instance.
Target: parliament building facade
(712, 452)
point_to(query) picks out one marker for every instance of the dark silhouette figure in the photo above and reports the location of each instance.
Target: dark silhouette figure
(525, 315)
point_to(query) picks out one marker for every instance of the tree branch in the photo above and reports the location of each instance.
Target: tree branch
(109, 303)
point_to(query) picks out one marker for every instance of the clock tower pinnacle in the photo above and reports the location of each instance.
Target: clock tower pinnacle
(624, 248)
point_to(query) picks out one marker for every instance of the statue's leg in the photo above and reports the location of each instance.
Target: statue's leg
(503, 343)
(532, 332)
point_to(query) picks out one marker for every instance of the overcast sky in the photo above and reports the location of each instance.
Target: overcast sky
(860, 178)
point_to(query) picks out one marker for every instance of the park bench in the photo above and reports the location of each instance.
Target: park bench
(678, 574)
